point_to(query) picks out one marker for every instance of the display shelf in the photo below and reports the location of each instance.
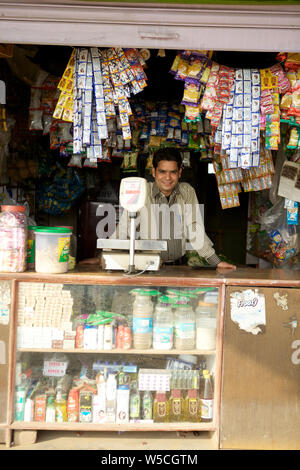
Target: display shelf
(66, 426)
(150, 352)
(86, 288)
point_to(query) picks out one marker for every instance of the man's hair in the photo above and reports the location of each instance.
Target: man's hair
(169, 154)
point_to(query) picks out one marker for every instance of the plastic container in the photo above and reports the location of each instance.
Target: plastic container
(206, 325)
(184, 327)
(142, 316)
(52, 249)
(13, 239)
(73, 248)
(163, 326)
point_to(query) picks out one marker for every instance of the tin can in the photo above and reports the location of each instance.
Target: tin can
(79, 337)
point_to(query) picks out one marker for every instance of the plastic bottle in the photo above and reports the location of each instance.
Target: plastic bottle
(28, 410)
(184, 327)
(135, 402)
(163, 325)
(123, 396)
(60, 407)
(147, 405)
(192, 414)
(206, 397)
(50, 410)
(206, 325)
(111, 398)
(20, 396)
(142, 320)
(161, 408)
(176, 406)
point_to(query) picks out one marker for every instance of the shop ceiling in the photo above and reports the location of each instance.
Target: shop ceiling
(222, 27)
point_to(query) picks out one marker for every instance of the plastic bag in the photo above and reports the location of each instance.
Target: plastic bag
(283, 238)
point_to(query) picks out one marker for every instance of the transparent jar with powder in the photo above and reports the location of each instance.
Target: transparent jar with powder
(142, 319)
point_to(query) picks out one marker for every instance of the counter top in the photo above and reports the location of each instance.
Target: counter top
(84, 274)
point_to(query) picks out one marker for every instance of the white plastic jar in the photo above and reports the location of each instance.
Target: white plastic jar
(184, 327)
(206, 321)
(163, 326)
(142, 317)
(52, 249)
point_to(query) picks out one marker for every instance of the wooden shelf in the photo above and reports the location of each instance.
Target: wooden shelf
(143, 426)
(150, 352)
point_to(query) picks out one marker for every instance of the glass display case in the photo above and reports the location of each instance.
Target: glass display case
(116, 357)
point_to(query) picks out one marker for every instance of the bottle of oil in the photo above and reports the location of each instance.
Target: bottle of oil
(192, 414)
(60, 407)
(206, 397)
(176, 406)
(161, 408)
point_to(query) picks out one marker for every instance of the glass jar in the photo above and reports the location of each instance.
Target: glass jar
(206, 325)
(142, 314)
(13, 239)
(184, 327)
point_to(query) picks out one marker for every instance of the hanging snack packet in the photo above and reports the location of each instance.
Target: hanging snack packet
(174, 67)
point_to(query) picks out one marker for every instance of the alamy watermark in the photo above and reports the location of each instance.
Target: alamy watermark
(156, 222)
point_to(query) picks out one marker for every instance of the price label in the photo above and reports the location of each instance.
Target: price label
(55, 368)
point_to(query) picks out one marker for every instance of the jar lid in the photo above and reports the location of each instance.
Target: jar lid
(52, 230)
(66, 226)
(13, 208)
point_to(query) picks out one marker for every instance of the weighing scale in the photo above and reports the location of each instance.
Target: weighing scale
(121, 255)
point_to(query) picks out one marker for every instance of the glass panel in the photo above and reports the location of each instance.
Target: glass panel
(5, 316)
(115, 353)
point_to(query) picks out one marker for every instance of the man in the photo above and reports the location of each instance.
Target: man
(167, 192)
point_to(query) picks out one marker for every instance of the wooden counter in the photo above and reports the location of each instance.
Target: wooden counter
(233, 347)
(175, 275)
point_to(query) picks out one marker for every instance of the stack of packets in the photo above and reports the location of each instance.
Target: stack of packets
(102, 80)
(44, 314)
(290, 100)
(239, 130)
(64, 105)
(192, 67)
(231, 181)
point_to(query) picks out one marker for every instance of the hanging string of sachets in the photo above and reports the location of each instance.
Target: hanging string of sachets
(95, 87)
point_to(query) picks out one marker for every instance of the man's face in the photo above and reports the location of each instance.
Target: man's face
(166, 176)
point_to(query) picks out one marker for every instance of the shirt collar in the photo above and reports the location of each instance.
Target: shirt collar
(156, 191)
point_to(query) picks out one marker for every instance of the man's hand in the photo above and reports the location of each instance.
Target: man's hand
(226, 266)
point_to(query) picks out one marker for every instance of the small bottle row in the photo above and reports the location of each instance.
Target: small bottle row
(113, 393)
